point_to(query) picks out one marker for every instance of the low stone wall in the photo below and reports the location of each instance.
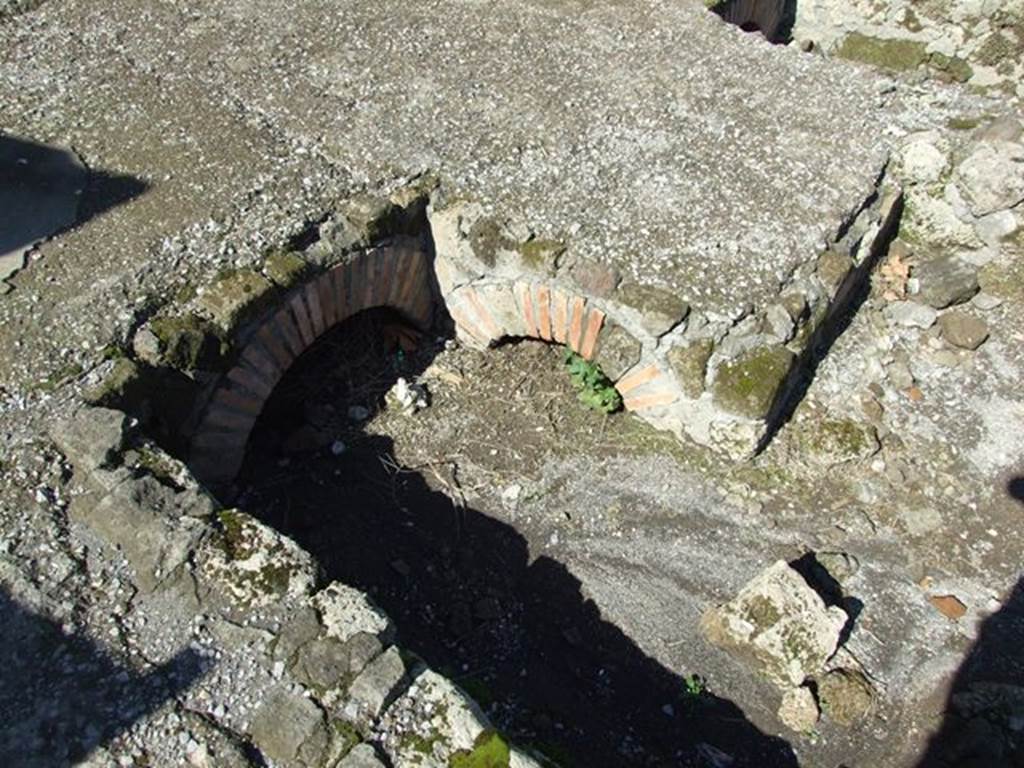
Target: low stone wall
(981, 44)
(325, 683)
(725, 382)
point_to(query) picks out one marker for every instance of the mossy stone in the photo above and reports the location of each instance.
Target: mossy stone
(660, 310)
(489, 751)
(835, 441)
(690, 364)
(486, 238)
(893, 54)
(541, 255)
(748, 385)
(120, 387)
(285, 268)
(951, 67)
(795, 304)
(846, 696)
(370, 217)
(235, 296)
(833, 267)
(617, 352)
(963, 123)
(187, 342)
(997, 48)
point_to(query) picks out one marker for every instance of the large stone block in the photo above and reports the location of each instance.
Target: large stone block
(780, 625)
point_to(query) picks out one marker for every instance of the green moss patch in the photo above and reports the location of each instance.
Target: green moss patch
(489, 751)
(541, 255)
(285, 268)
(235, 296)
(748, 385)
(892, 54)
(951, 68)
(486, 239)
(187, 343)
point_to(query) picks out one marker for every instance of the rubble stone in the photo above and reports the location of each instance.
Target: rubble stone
(779, 624)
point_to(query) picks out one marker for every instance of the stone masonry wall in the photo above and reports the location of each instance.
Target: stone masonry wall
(723, 381)
(317, 680)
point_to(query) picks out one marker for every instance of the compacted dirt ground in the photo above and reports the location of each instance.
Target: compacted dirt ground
(554, 560)
(390, 502)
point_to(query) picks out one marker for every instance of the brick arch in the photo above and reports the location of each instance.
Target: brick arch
(487, 313)
(396, 276)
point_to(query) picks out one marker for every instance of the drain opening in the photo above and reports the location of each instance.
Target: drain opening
(774, 19)
(329, 466)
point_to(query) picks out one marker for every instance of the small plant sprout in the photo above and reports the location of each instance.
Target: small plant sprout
(694, 686)
(595, 390)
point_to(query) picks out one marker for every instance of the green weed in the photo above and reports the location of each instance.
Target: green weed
(694, 686)
(595, 390)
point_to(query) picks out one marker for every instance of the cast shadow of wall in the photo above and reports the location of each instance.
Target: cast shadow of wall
(517, 633)
(983, 724)
(61, 696)
(46, 190)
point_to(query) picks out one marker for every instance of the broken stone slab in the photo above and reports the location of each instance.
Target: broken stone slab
(92, 437)
(377, 685)
(292, 730)
(234, 297)
(910, 314)
(346, 612)
(830, 442)
(799, 709)
(945, 281)
(246, 565)
(141, 518)
(778, 624)
(992, 177)
(846, 695)
(433, 711)
(749, 384)
(361, 756)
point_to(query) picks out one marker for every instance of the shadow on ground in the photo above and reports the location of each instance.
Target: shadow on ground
(517, 633)
(62, 696)
(45, 190)
(984, 718)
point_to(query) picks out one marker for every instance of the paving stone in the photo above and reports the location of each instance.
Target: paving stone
(361, 756)
(945, 281)
(617, 351)
(846, 696)
(292, 730)
(799, 710)
(656, 310)
(346, 612)
(963, 330)
(234, 297)
(690, 365)
(910, 314)
(992, 177)
(375, 686)
(748, 385)
(92, 438)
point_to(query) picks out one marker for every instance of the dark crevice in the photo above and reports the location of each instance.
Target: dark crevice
(852, 295)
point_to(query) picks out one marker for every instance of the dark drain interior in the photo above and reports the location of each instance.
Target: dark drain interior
(461, 585)
(772, 18)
